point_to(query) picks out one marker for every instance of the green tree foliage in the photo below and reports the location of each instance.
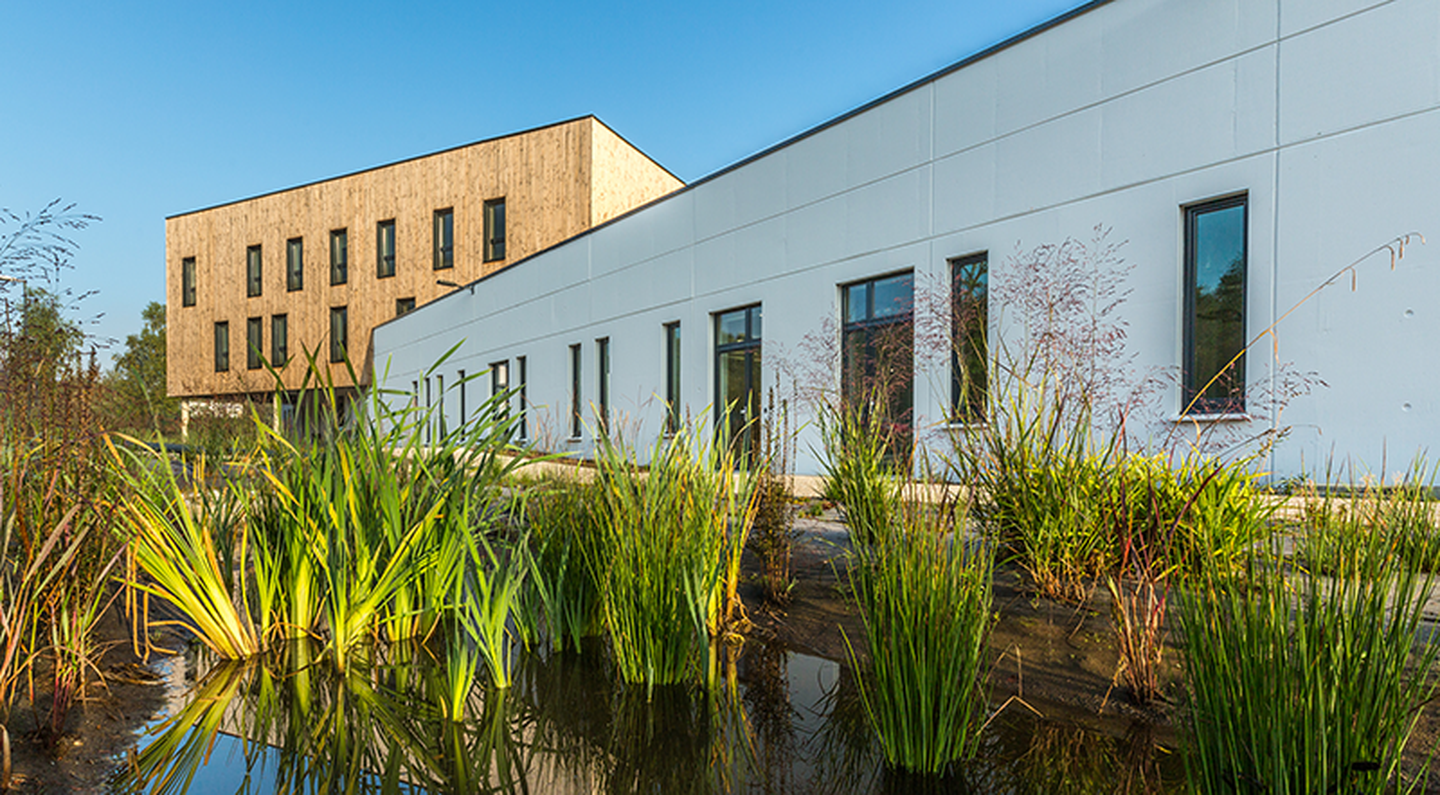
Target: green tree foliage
(135, 394)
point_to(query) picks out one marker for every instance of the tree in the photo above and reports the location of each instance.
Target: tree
(135, 390)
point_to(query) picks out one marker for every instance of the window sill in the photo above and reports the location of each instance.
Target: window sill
(1208, 418)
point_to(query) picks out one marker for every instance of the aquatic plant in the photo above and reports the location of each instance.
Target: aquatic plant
(859, 473)
(1307, 681)
(672, 535)
(562, 516)
(924, 594)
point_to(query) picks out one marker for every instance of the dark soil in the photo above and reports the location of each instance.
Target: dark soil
(102, 727)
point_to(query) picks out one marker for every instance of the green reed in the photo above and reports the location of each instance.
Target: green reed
(563, 518)
(672, 535)
(924, 594)
(859, 473)
(1305, 681)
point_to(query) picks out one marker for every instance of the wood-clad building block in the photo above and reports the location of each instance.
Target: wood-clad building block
(555, 182)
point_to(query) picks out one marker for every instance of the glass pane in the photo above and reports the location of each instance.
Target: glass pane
(1218, 333)
(756, 313)
(731, 327)
(894, 296)
(857, 302)
(969, 344)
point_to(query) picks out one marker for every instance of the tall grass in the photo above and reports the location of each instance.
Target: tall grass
(563, 519)
(924, 593)
(671, 540)
(859, 473)
(1305, 681)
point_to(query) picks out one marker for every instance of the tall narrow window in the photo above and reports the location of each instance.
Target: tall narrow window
(187, 281)
(499, 386)
(440, 390)
(1215, 265)
(254, 338)
(524, 431)
(339, 256)
(444, 239)
(576, 418)
(295, 264)
(461, 383)
(737, 377)
(672, 377)
(602, 384)
(385, 249)
(339, 330)
(252, 271)
(279, 340)
(429, 418)
(969, 342)
(494, 230)
(404, 306)
(222, 347)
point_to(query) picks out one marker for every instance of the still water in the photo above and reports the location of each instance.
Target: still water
(773, 721)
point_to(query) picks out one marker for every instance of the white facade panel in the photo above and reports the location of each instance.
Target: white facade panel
(1324, 114)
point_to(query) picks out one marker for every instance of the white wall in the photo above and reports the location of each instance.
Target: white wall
(1323, 112)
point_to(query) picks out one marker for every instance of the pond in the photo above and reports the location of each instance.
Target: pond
(771, 721)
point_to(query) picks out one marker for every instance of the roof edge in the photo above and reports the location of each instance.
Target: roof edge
(455, 148)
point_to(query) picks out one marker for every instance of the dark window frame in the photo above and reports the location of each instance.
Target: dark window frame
(279, 340)
(750, 346)
(187, 281)
(339, 265)
(339, 343)
(602, 384)
(672, 377)
(254, 271)
(222, 346)
(494, 222)
(294, 264)
(524, 430)
(500, 385)
(385, 262)
(404, 306)
(969, 395)
(444, 239)
(254, 341)
(577, 419)
(1192, 402)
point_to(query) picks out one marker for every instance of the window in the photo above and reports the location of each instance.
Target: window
(523, 432)
(877, 347)
(737, 377)
(444, 239)
(279, 340)
(254, 338)
(672, 377)
(1215, 264)
(187, 281)
(440, 390)
(295, 264)
(460, 383)
(385, 249)
(222, 347)
(602, 384)
(339, 256)
(252, 271)
(404, 305)
(576, 419)
(494, 230)
(429, 417)
(338, 333)
(499, 385)
(969, 342)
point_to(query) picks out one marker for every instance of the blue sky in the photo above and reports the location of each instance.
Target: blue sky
(138, 111)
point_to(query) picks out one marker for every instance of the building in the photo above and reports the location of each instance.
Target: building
(314, 268)
(1245, 150)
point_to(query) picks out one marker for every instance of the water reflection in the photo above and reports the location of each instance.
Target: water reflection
(772, 722)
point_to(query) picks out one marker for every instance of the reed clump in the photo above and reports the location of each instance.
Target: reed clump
(1309, 679)
(672, 533)
(924, 593)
